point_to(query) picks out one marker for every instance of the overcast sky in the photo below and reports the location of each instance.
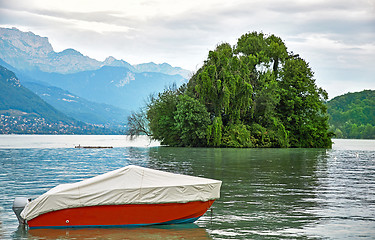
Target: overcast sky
(337, 37)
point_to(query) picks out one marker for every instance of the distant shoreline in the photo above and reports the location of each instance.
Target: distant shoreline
(13, 141)
(19, 141)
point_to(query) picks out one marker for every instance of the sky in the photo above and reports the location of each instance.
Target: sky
(336, 37)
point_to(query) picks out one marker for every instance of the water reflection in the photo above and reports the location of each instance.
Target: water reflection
(181, 231)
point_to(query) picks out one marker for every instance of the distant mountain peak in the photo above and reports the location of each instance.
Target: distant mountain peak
(166, 64)
(110, 60)
(28, 51)
(162, 68)
(27, 42)
(71, 51)
(113, 62)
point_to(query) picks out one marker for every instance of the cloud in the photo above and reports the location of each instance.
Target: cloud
(102, 21)
(333, 35)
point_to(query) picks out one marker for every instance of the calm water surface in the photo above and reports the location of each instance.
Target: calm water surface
(266, 193)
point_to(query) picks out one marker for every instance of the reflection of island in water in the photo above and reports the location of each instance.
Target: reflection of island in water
(178, 231)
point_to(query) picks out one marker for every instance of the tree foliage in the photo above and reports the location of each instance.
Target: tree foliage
(161, 113)
(192, 120)
(223, 85)
(301, 107)
(253, 94)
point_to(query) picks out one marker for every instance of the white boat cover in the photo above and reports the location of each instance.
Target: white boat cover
(127, 185)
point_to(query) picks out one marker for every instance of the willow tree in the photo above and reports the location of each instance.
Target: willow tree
(265, 56)
(239, 87)
(223, 84)
(252, 94)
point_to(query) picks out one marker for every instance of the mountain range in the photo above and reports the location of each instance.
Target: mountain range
(79, 108)
(117, 86)
(28, 52)
(88, 90)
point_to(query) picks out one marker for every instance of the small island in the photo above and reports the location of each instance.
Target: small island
(253, 94)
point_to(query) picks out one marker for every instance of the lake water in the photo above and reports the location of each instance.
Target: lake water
(266, 193)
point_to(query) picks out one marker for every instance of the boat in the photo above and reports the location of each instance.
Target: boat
(131, 196)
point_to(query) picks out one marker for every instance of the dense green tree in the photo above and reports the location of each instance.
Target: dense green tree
(264, 55)
(254, 94)
(238, 136)
(192, 120)
(160, 114)
(301, 107)
(261, 49)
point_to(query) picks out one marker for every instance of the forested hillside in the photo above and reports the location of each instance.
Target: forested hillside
(352, 115)
(23, 112)
(14, 96)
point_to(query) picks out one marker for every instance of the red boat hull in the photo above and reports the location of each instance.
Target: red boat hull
(122, 215)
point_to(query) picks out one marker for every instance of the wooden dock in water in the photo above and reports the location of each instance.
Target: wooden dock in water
(79, 146)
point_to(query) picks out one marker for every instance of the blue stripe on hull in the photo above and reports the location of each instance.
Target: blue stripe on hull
(178, 221)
